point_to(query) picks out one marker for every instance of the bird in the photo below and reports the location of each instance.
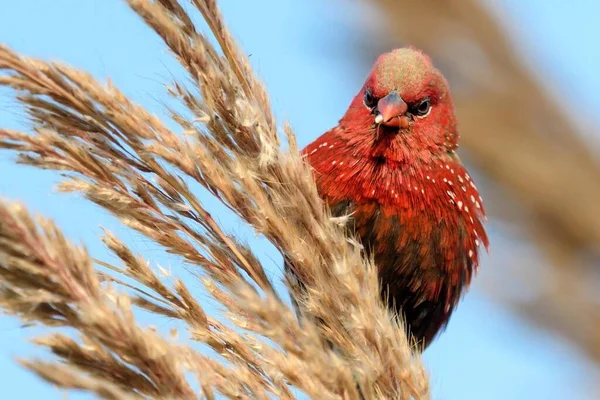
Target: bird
(391, 165)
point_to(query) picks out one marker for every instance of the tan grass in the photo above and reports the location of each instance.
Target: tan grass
(129, 163)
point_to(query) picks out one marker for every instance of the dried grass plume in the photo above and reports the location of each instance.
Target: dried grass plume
(128, 162)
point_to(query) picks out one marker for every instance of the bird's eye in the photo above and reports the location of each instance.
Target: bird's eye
(369, 100)
(422, 109)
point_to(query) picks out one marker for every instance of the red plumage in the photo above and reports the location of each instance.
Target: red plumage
(391, 164)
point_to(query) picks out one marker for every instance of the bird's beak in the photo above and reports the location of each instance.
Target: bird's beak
(391, 110)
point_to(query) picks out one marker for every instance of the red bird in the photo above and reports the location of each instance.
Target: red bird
(391, 164)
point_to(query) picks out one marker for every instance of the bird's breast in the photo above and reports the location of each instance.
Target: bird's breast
(422, 223)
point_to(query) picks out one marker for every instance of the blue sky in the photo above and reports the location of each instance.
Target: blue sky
(486, 351)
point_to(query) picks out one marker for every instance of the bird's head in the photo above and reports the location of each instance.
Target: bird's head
(404, 107)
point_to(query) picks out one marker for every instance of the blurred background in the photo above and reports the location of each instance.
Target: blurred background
(525, 82)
